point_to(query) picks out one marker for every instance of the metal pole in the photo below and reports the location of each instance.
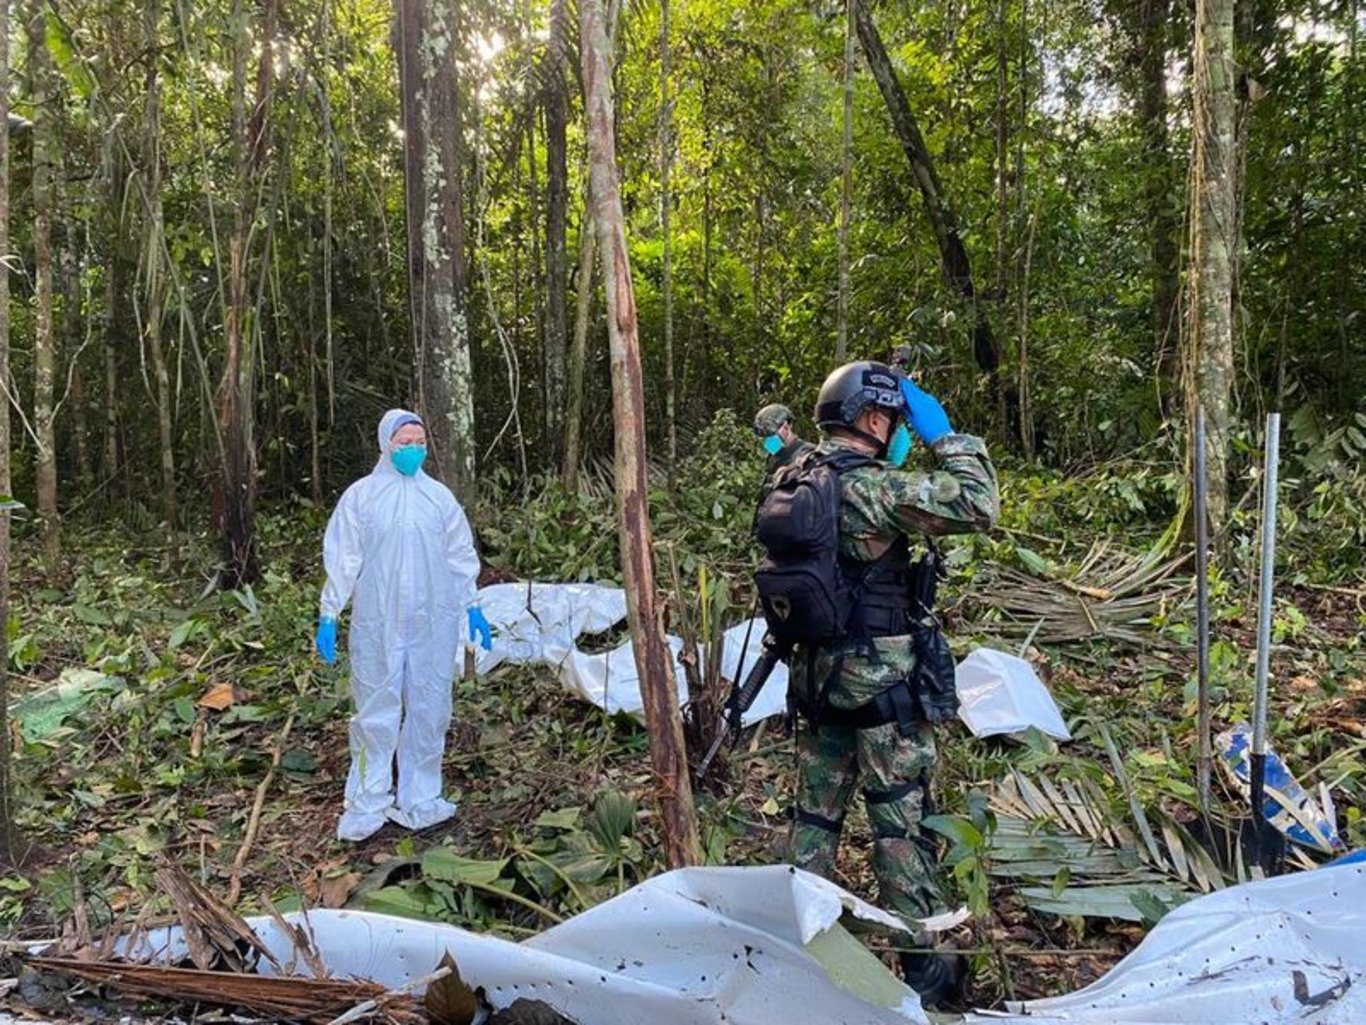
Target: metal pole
(1205, 759)
(1265, 855)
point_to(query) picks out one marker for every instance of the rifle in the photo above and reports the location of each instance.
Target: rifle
(742, 696)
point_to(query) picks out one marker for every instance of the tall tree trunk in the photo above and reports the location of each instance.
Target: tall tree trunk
(953, 256)
(1154, 16)
(666, 163)
(43, 91)
(1209, 365)
(109, 460)
(155, 276)
(236, 400)
(707, 229)
(7, 839)
(846, 187)
(73, 274)
(654, 661)
(80, 428)
(556, 227)
(588, 248)
(427, 45)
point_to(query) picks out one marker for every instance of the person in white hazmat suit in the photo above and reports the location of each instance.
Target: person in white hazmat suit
(398, 546)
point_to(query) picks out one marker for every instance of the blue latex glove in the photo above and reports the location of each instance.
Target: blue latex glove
(479, 627)
(326, 640)
(926, 415)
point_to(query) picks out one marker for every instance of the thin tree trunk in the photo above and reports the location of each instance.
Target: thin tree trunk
(427, 48)
(846, 187)
(1000, 292)
(44, 339)
(155, 273)
(80, 428)
(556, 227)
(578, 356)
(73, 274)
(666, 163)
(109, 467)
(237, 500)
(1154, 16)
(1213, 216)
(7, 839)
(707, 226)
(956, 269)
(654, 661)
(1022, 377)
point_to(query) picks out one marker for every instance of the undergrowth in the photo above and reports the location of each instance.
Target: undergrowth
(150, 706)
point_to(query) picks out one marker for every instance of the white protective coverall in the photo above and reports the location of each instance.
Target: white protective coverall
(400, 548)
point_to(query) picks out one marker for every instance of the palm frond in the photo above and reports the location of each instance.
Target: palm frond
(1070, 852)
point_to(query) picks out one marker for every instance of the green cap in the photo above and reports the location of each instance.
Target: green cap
(770, 418)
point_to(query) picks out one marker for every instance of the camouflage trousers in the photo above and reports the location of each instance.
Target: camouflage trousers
(893, 772)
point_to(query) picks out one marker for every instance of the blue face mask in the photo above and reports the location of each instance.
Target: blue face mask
(899, 447)
(408, 459)
(773, 444)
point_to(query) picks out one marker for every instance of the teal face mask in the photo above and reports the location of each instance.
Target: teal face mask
(773, 444)
(408, 459)
(899, 447)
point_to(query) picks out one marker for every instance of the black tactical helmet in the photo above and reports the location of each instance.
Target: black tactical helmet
(852, 388)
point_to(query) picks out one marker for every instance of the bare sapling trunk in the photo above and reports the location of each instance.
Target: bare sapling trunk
(654, 661)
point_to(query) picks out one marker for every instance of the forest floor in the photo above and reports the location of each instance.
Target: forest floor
(181, 706)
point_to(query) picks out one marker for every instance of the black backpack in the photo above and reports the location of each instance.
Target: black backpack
(807, 596)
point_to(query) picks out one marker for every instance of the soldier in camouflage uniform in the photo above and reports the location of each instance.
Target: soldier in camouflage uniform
(860, 408)
(773, 424)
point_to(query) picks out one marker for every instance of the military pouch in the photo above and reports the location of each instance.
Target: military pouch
(935, 689)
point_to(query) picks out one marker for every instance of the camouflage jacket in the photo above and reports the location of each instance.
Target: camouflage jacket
(786, 456)
(960, 496)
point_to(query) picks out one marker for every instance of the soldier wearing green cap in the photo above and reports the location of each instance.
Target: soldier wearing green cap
(773, 424)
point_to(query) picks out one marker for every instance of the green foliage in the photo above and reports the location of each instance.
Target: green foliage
(574, 537)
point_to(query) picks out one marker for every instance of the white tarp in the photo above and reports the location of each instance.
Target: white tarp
(1289, 949)
(762, 945)
(1001, 693)
(744, 946)
(541, 624)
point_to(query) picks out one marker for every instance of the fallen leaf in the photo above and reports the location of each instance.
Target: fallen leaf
(219, 697)
(449, 1001)
(334, 891)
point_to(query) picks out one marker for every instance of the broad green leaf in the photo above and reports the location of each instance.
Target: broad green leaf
(957, 829)
(405, 901)
(444, 864)
(562, 818)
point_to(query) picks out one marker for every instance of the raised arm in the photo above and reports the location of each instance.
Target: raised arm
(960, 496)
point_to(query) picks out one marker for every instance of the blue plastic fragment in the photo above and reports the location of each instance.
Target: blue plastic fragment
(1285, 803)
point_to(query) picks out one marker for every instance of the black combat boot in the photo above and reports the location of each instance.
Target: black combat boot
(937, 976)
